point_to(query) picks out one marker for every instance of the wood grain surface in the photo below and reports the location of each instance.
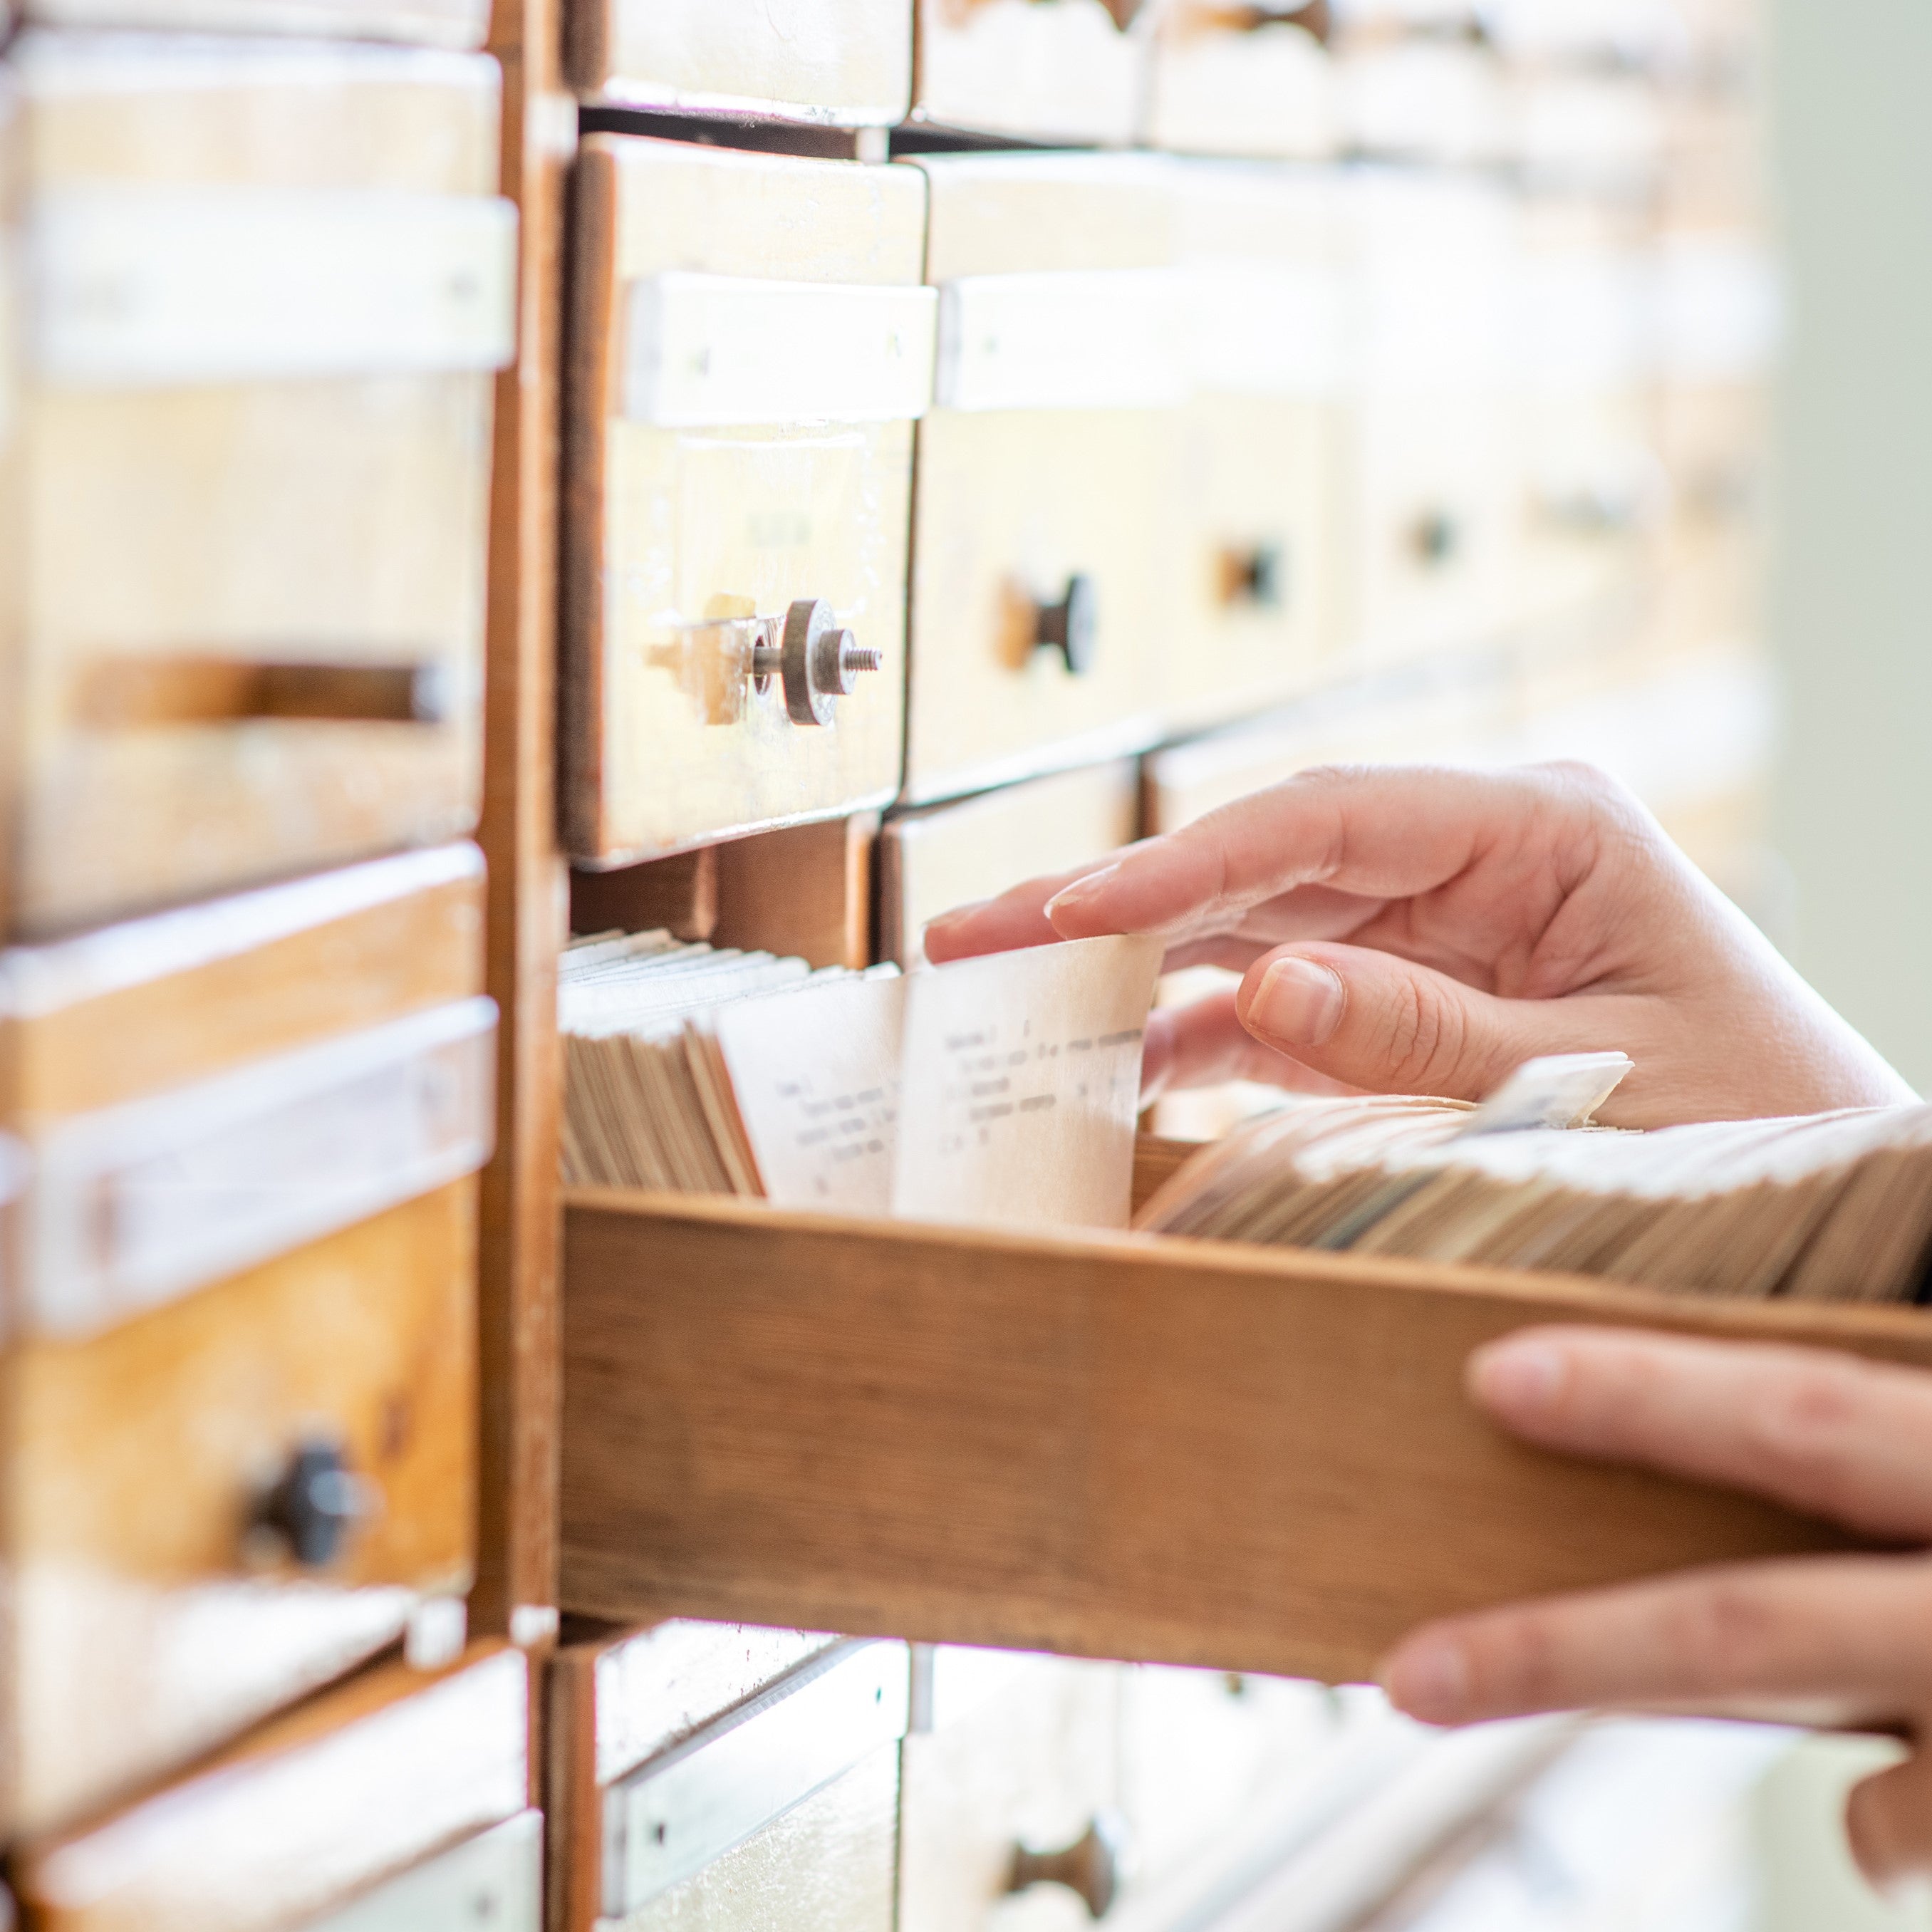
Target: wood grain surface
(806, 891)
(1124, 1448)
(349, 1789)
(528, 916)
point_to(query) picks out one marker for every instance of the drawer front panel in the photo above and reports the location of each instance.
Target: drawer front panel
(436, 23)
(825, 1867)
(172, 1474)
(845, 62)
(1064, 70)
(1249, 531)
(714, 497)
(1033, 525)
(1026, 1761)
(493, 1881)
(253, 599)
(1221, 85)
(379, 1776)
(666, 1822)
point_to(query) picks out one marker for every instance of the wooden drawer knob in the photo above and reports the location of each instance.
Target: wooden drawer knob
(818, 662)
(1257, 576)
(314, 1504)
(1071, 627)
(1435, 537)
(1091, 1867)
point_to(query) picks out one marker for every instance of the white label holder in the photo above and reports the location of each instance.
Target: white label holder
(138, 287)
(722, 351)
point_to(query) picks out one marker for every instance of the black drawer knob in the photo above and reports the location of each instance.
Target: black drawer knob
(315, 1504)
(1071, 627)
(1256, 576)
(1436, 537)
(1091, 1867)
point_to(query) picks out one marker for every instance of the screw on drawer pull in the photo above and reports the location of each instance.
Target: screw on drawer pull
(1072, 626)
(317, 1500)
(1091, 1867)
(1435, 539)
(1257, 575)
(816, 661)
(132, 691)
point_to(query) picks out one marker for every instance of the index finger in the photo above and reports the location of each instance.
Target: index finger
(1824, 1433)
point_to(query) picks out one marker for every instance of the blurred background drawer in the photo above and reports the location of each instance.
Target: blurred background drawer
(1071, 71)
(241, 1439)
(395, 1803)
(263, 299)
(1010, 1815)
(1036, 591)
(718, 1776)
(841, 63)
(1248, 526)
(944, 855)
(455, 24)
(715, 496)
(1231, 78)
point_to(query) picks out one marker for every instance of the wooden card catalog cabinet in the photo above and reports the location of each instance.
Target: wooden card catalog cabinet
(1233, 77)
(1426, 490)
(1248, 521)
(729, 1778)
(397, 1802)
(752, 347)
(1053, 70)
(1595, 493)
(1037, 596)
(263, 294)
(241, 1436)
(837, 63)
(943, 856)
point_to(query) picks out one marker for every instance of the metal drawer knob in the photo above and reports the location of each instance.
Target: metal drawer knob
(1070, 627)
(816, 661)
(1257, 576)
(1091, 1867)
(315, 1503)
(1435, 537)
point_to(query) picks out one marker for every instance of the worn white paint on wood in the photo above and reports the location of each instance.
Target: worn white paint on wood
(710, 350)
(494, 1882)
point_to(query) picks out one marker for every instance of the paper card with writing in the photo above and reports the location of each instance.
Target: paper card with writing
(815, 1073)
(1020, 1085)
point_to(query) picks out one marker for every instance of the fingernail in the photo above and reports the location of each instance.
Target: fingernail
(1071, 899)
(1298, 1002)
(1519, 1378)
(1429, 1679)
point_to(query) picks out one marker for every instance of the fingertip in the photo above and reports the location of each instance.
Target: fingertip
(1521, 1377)
(1428, 1677)
(1074, 912)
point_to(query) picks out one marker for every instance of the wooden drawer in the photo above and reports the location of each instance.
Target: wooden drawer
(1037, 595)
(1429, 97)
(1052, 70)
(397, 1801)
(251, 607)
(1112, 1447)
(715, 494)
(1010, 1756)
(453, 24)
(716, 1776)
(837, 63)
(946, 855)
(1230, 80)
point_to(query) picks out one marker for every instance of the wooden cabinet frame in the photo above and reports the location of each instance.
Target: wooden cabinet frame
(1133, 1447)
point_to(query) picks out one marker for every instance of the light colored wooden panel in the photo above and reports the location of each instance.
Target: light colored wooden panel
(333, 521)
(826, 1867)
(995, 214)
(148, 1622)
(494, 1879)
(845, 63)
(349, 1790)
(1070, 71)
(1119, 1448)
(675, 538)
(806, 892)
(1031, 1763)
(139, 1008)
(454, 24)
(948, 856)
(1231, 80)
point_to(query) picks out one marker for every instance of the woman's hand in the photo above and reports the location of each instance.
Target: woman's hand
(1833, 1640)
(1412, 930)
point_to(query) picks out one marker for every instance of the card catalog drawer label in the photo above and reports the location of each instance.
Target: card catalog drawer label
(705, 351)
(137, 1205)
(693, 1805)
(150, 286)
(1111, 339)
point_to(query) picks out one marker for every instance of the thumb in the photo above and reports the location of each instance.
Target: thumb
(1387, 1026)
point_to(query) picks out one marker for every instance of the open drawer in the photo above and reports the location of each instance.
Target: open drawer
(1110, 1446)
